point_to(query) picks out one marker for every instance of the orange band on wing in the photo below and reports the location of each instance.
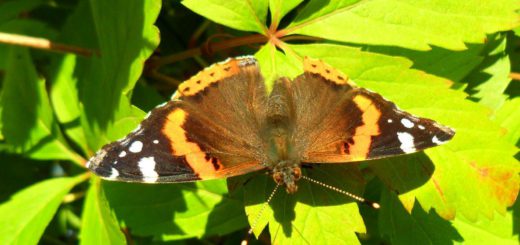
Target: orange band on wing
(363, 135)
(180, 145)
(316, 66)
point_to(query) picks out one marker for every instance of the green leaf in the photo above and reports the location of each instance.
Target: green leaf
(176, 211)
(410, 24)
(279, 8)
(146, 97)
(508, 116)
(517, 31)
(29, 27)
(500, 230)
(11, 9)
(33, 132)
(421, 227)
(68, 69)
(243, 15)
(453, 65)
(312, 215)
(273, 63)
(490, 79)
(24, 217)
(65, 101)
(98, 224)
(417, 227)
(476, 165)
(126, 37)
(19, 172)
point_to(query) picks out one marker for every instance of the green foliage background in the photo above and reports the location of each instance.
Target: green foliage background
(447, 60)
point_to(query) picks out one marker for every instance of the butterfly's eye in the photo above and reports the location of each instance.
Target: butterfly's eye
(278, 177)
(297, 173)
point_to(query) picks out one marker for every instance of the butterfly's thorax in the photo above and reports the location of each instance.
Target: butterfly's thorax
(278, 127)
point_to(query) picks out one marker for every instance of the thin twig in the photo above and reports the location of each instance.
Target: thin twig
(514, 76)
(208, 49)
(71, 197)
(42, 43)
(161, 77)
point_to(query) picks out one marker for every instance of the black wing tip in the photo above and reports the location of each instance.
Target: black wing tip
(447, 132)
(95, 165)
(443, 135)
(95, 161)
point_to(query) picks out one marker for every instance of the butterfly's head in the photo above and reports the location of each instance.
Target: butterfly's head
(287, 173)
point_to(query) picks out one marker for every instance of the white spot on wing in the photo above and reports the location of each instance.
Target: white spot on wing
(136, 146)
(122, 154)
(390, 120)
(155, 141)
(147, 168)
(407, 123)
(113, 174)
(421, 127)
(407, 144)
(436, 141)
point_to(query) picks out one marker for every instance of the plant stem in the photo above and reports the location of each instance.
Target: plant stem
(514, 76)
(42, 43)
(209, 48)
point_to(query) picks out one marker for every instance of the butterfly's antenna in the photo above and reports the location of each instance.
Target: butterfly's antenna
(358, 198)
(257, 218)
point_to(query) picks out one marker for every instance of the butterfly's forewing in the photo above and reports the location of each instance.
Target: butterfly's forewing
(340, 122)
(209, 130)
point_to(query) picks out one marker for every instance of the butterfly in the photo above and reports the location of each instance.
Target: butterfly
(223, 122)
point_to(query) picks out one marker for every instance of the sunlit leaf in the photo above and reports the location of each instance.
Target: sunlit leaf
(274, 64)
(126, 36)
(311, 215)
(34, 132)
(279, 8)
(98, 225)
(23, 218)
(411, 24)
(490, 79)
(238, 14)
(508, 116)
